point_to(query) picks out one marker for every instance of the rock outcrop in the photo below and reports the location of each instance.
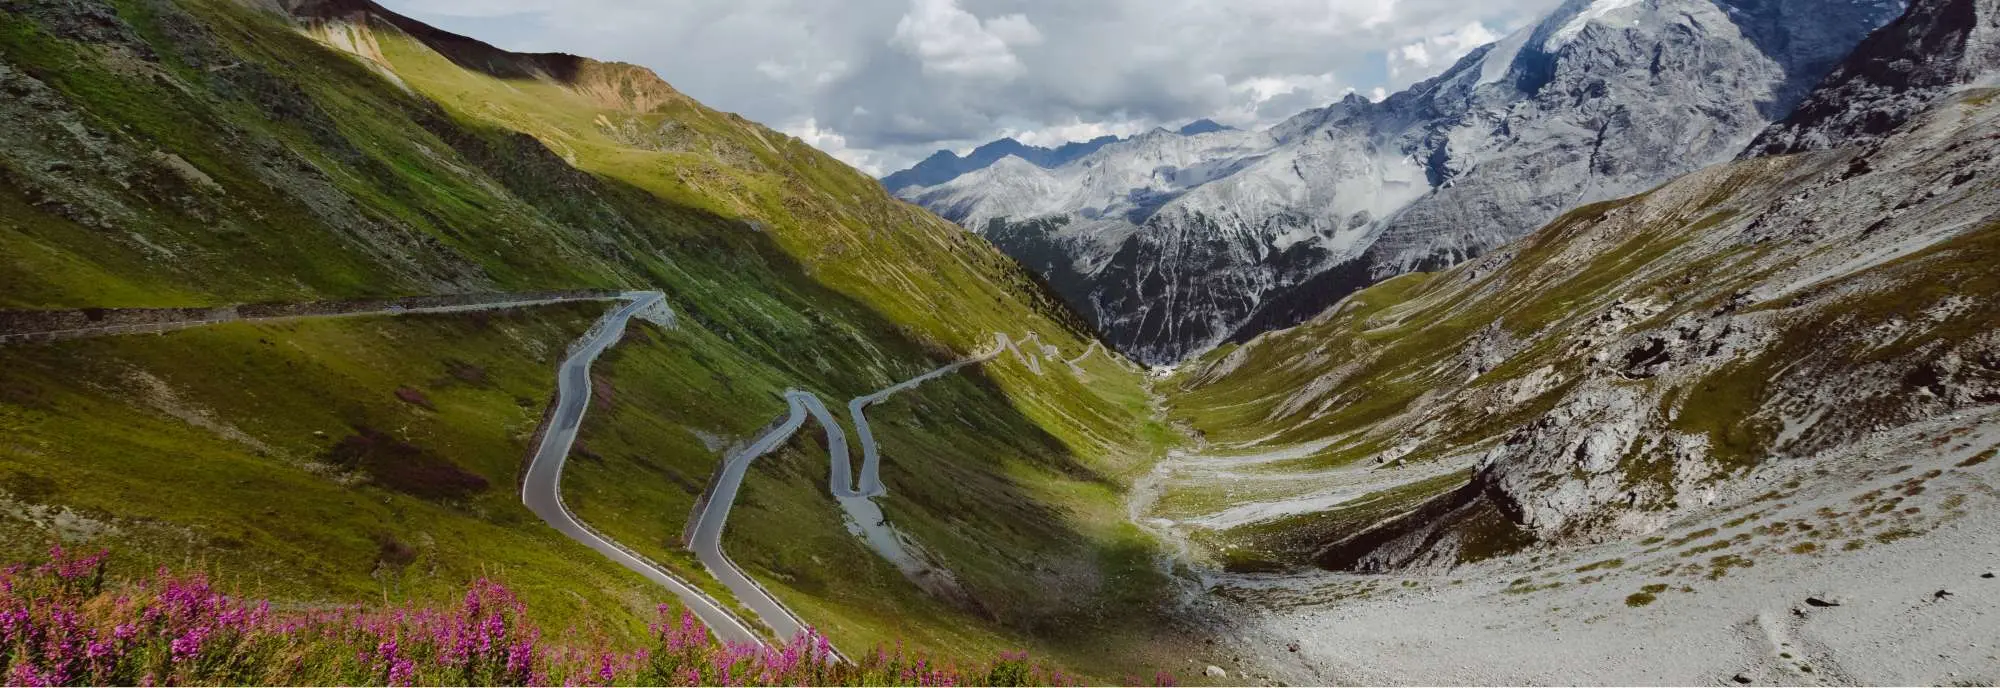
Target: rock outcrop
(1936, 47)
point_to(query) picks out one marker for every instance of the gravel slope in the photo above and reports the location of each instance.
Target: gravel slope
(1482, 625)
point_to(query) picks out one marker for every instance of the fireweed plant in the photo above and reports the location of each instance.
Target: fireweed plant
(64, 623)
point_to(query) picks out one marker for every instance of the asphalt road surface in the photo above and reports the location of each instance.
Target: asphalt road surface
(841, 480)
(542, 490)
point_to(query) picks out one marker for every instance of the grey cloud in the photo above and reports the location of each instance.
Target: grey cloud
(882, 82)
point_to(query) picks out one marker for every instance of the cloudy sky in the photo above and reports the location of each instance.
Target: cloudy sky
(883, 83)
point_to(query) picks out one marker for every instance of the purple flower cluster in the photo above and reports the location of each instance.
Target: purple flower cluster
(62, 623)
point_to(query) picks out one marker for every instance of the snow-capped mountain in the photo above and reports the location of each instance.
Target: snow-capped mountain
(1174, 242)
(944, 165)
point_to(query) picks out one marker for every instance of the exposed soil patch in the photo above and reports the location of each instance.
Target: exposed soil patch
(415, 397)
(463, 373)
(393, 552)
(404, 467)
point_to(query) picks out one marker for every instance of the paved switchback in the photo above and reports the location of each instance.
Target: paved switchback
(842, 482)
(541, 491)
(541, 487)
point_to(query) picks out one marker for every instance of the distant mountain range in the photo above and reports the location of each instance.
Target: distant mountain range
(944, 165)
(1173, 242)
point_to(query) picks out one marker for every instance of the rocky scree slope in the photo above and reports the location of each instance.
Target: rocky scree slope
(1933, 49)
(156, 153)
(1173, 243)
(1632, 361)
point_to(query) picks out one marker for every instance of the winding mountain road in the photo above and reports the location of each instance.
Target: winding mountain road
(842, 482)
(541, 487)
(541, 490)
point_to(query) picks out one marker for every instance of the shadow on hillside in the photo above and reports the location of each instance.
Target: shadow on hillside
(721, 273)
(468, 53)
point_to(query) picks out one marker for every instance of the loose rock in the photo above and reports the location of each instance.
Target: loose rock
(1214, 671)
(1741, 678)
(1823, 601)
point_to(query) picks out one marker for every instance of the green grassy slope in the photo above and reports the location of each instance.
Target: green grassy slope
(1013, 497)
(319, 461)
(160, 153)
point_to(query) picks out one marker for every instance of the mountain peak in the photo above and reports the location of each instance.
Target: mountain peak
(1204, 126)
(615, 85)
(1000, 147)
(943, 155)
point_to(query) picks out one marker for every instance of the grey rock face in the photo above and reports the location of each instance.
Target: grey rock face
(1934, 48)
(1608, 108)
(1174, 243)
(1566, 464)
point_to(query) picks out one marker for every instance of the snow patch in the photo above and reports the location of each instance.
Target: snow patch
(1494, 67)
(1597, 10)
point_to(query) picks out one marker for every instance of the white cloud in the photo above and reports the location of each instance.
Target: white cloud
(1075, 130)
(1263, 88)
(809, 131)
(1419, 60)
(1014, 29)
(896, 79)
(1260, 100)
(803, 75)
(949, 40)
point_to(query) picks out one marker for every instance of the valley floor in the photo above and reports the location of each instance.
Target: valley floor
(1874, 565)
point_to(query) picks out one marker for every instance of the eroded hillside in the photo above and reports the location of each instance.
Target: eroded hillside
(1632, 362)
